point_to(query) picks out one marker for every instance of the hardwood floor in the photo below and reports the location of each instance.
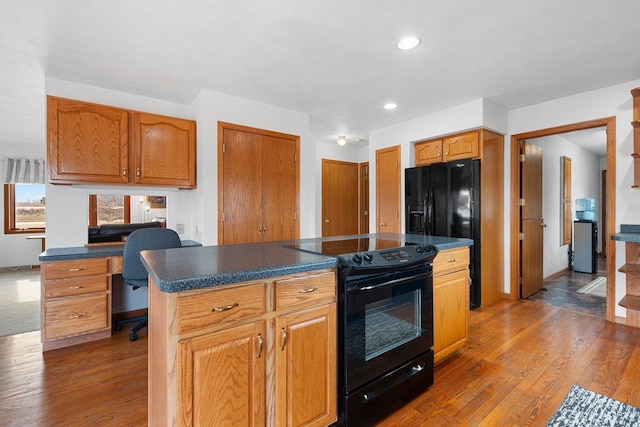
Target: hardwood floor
(521, 360)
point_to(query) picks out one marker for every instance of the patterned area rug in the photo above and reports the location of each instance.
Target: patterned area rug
(597, 287)
(585, 408)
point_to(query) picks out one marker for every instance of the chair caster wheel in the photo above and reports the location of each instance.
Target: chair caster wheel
(133, 337)
(118, 328)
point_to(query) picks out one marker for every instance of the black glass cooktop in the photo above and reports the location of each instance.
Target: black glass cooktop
(348, 246)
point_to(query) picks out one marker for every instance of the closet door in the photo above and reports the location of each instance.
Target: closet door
(279, 189)
(241, 193)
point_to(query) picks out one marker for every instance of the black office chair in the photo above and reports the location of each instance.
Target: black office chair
(133, 272)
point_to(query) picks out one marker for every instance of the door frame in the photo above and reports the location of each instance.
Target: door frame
(515, 257)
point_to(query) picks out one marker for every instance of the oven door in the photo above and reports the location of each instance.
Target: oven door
(388, 321)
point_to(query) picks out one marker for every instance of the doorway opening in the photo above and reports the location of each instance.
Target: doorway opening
(608, 206)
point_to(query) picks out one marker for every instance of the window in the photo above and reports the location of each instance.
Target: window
(109, 209)
(24, 208)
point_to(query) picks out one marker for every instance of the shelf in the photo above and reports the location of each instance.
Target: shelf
(631, 302)
(630, 269)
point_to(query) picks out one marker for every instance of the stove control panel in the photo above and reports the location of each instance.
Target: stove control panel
(390, 257)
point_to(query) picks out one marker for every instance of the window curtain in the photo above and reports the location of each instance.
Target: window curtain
(23, 171)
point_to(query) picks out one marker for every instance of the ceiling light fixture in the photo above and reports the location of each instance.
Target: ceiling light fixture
(390, 106)
(408, 43)
(342, 140)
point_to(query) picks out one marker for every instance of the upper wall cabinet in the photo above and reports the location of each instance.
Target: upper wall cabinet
(97, 144)
(462, 146)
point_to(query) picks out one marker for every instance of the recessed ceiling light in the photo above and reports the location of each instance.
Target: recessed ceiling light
(408, 43)
(389, 106)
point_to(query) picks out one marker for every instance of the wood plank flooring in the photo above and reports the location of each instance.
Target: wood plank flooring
(521, 360)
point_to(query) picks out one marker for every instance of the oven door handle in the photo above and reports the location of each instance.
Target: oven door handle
(390, 283)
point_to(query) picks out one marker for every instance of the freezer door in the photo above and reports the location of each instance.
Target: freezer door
(415, 188)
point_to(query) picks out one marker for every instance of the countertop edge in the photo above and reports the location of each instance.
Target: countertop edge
(173, 286)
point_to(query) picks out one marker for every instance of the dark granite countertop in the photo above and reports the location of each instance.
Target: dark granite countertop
(628, 233)
(79, 252)
(176, 270)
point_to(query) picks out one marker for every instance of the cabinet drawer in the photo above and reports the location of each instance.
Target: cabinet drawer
(301, 290)
(75, 316)
(75, 268)
(202, 310)
(76, 286)
(451, 260)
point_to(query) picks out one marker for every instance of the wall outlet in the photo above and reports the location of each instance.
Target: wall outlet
(180, 228)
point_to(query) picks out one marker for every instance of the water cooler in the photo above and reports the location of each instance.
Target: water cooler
(585, 237)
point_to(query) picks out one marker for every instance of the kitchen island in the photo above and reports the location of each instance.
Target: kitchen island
(246, 334)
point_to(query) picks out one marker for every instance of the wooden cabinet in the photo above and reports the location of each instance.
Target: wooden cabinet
(428, 152)
(258, 185)
(635, 93)
(254, 353)
(98, 144)
(221, 378)
(450, 301)
(76, 301)
(462, 146)
(305, 367)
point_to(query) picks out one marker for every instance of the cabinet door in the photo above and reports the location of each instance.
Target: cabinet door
(221, 378)
(165, 150)
(280, 192)
(450, 312)
(305, 373)
(240, 168)
(461, 146)
(86, 142)
(428, 152)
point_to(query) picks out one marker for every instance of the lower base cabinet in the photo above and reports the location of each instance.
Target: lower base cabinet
(450, 302)
(250, 355)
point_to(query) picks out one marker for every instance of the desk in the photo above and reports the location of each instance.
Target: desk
(77, 293)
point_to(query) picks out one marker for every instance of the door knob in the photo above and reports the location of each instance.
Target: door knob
(382, 224)
(543, 225)
(327, 221)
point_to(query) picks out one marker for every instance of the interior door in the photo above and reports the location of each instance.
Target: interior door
(531, 221)
(339, 198)
(242, 191)
(388, 190)
(280, 195)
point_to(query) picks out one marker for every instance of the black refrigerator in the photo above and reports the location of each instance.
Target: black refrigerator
(443, 199)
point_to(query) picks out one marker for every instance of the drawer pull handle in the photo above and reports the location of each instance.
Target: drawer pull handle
(452, 260)
(259, 345)
(78, 269)
(308, 291)
(77, 315)
(77, 287)
(284, 338)
(221, 309)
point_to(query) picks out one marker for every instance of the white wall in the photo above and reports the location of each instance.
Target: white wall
(585, 182)
(606, 102)
(16, 250)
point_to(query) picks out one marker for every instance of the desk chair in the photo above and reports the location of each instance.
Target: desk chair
(133, 272)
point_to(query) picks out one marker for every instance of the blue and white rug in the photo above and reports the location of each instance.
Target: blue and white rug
(583, 407)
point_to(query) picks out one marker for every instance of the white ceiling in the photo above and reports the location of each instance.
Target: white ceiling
(333, 59)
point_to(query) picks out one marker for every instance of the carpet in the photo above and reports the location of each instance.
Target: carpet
(597, 287)
(19, 302)
(582, 407)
